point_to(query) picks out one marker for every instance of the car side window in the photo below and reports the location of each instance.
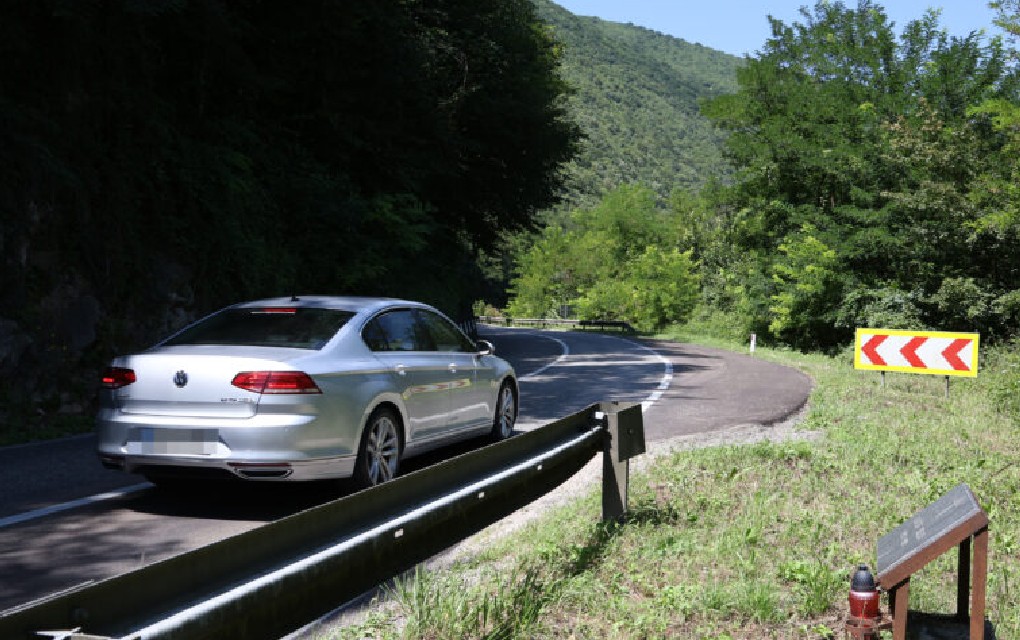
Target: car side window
(445, 336)
(396, 331)
(374, 336)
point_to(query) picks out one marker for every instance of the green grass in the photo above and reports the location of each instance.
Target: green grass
(753, 541)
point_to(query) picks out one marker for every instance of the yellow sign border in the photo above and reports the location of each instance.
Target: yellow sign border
(974, 337)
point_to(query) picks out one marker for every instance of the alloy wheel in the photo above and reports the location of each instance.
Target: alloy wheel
(382, 449)
(506, 413)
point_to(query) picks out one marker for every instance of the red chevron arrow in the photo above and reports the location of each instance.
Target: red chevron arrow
(952, 354)
(870, 349)
(909, 352)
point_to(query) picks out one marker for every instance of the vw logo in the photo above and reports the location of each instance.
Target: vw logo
(180, 379)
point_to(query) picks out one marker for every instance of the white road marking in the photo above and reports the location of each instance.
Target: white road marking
(565, 351)
(73, 504)
(664, 382)
(651, 399)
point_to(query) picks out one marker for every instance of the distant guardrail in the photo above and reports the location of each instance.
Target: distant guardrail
(607, 324)
(269, 581)
(560, 323)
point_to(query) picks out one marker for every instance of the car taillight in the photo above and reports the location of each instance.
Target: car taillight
(275, 382)
(117, 377)
(289, 311)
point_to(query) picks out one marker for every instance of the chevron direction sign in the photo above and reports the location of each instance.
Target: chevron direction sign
(934, 352)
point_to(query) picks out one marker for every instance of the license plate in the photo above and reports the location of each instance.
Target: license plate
(176, 442)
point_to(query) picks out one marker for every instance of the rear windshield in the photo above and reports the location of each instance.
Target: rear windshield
(295, 327)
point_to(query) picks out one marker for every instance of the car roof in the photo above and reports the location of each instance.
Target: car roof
(347, 303)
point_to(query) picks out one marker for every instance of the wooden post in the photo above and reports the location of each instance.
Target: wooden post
(977, 607)
(899, 604)
(963, 582)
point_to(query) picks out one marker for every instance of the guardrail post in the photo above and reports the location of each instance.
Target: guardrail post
(624, 439)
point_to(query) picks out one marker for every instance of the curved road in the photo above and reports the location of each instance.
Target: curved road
(684, 388)
(65, 521)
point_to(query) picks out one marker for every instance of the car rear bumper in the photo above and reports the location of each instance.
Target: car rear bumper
(295, 471)
(274, 447)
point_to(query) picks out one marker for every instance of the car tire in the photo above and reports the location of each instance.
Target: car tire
(379, 453)
(506, 413)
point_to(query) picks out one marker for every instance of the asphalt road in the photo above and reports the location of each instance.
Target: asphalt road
(59, 530)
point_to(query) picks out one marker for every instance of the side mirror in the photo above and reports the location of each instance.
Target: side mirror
(485, 348)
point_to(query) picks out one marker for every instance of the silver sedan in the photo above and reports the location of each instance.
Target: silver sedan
(302, 388)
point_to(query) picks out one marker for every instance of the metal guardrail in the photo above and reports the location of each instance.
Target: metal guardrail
(266, 582)
(607, 324)
(557, 323)
(529, 322)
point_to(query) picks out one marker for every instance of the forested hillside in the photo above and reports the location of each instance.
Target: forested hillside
(637, 95)
(875, 186)
(160, 159)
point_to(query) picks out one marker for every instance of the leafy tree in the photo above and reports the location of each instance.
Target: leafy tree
(858, 153)
(997, 190)
(806, 282)
(625, 221)
(665, 287)
(508, 129)
(619, 260)
(159, 159)
(546, 279)
(961, 254)
(885, 307)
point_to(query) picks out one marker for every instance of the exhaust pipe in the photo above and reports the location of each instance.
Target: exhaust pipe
(262, 470)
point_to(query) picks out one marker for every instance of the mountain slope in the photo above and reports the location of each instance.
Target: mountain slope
(637, 94)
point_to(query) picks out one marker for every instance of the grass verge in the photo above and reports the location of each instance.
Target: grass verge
(747, 542)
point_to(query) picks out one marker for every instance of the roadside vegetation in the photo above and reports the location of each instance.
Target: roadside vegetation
(874, 184)
(160, 160)
(750, 541)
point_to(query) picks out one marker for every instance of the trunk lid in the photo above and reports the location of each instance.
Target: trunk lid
(195, 382)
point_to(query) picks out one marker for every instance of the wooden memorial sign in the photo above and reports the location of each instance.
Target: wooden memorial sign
(952, 520)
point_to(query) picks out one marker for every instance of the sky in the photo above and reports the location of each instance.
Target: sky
(740, 26)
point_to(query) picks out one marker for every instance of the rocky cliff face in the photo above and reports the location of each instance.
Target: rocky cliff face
(53, 348)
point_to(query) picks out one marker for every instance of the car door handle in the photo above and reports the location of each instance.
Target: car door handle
(401, 370)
